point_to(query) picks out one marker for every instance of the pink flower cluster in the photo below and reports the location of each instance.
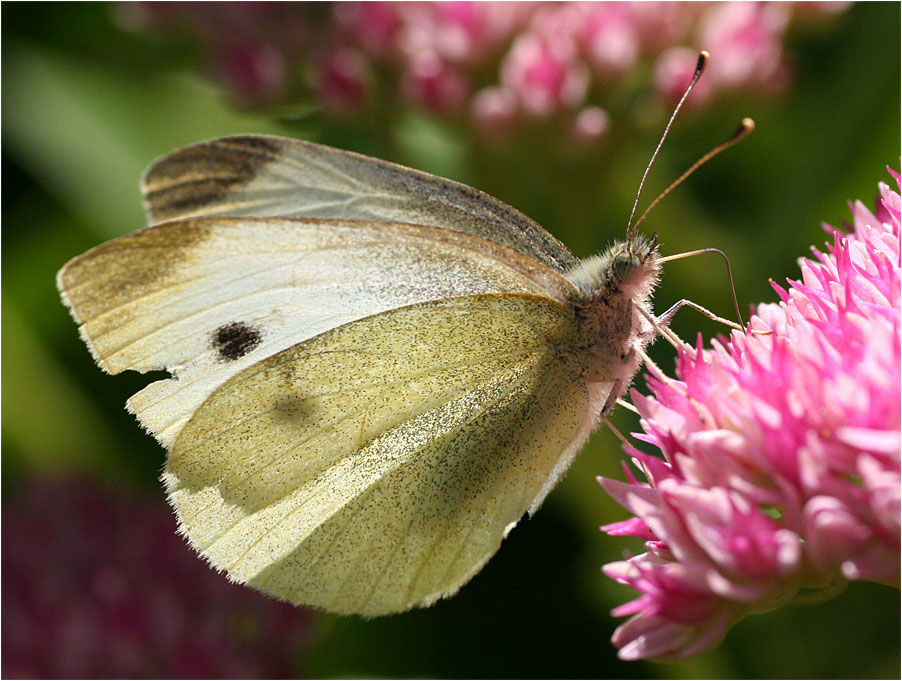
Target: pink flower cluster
(99, 585)
(498, 63)
(781, 454)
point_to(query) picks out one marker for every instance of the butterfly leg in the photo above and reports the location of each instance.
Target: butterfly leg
(664, 319)
(613, 396)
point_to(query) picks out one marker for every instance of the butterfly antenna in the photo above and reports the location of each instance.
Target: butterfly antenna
(699, 67)
(745, 127)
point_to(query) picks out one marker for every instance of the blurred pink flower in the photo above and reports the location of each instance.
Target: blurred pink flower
(374, 26)
(342, 84)
(499, 62)
(664, 24)
(591, 124)
(435, 84)
(747, 38)
(674, 69)
(612, 37)
(459, 32)
(253, 73)
(99, 585)
(495, 111)
(781, 467)
(545, 75)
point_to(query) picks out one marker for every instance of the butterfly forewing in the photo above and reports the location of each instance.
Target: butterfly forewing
(378, 466)
(261, 176)
(206, 298)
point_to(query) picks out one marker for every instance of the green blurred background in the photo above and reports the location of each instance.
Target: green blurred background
(86, 106)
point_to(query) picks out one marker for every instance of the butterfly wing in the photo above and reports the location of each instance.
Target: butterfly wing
(378, 466)
(206, 298)
(264, 176)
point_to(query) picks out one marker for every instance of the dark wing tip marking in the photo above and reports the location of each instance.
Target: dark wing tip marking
(234, 340)
(200, 175)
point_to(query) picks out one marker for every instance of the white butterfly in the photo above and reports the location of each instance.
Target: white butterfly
(376, 372)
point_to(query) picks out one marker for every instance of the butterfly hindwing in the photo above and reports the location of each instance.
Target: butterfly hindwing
(379, 465)
(262, 176)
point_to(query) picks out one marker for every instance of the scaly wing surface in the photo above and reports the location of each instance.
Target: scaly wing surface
(378, 466)
(206, 298)
(265, 176)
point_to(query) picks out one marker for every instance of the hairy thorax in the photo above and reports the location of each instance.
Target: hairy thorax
(614, 289)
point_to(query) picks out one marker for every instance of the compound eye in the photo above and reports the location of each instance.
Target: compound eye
(623, 266)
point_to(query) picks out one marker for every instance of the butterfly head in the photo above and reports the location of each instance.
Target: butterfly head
(636, 261)
(628, 269)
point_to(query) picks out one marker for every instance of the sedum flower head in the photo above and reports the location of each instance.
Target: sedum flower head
(781, 453)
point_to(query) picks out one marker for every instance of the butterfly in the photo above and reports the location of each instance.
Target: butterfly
(376, 372)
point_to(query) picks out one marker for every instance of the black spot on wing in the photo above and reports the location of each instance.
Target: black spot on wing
(235, 340)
